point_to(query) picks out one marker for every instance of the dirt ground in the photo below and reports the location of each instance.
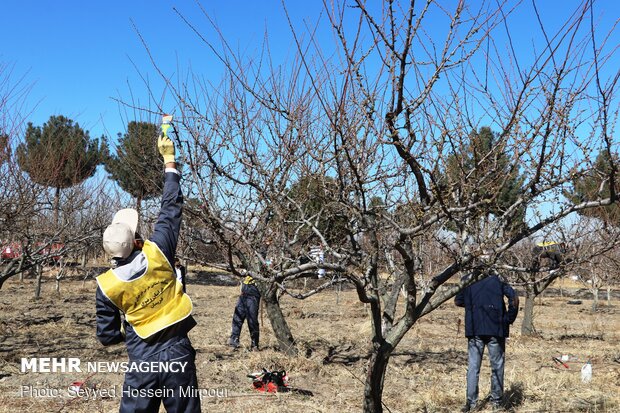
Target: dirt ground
(426, 374)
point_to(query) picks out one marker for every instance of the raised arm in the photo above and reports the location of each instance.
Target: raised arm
(168, 225)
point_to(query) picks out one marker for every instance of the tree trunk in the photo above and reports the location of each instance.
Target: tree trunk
(32, 272)
(56, 207)
(609, 296)
(37, 288)
(139, 210)
(594, 299)
(527, 327)
(283, 334)
(338, 291)
(373, 387)
(59, 275)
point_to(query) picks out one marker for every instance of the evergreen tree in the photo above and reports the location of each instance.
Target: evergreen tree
(481, 170)
(595, 185)
(318, 200)
(136, 167)
(60, 155)
(5, 150)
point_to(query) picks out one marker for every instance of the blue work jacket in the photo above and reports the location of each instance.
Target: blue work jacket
(485, 309)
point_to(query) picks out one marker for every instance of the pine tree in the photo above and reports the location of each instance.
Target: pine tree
(595, 185)
(481, 170)
(60, 155)
(5, 150)
(137, 165)
(316, 196)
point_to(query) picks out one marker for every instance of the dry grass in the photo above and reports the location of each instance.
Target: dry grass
(427, 373)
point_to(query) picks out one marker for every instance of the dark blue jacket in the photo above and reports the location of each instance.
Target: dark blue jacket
(165, 235)
(250, 289)
(485, 310)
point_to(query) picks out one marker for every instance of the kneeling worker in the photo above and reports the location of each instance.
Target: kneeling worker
(143, 286)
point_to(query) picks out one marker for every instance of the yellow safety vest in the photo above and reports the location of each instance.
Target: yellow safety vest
(151, 302)
(546, 244)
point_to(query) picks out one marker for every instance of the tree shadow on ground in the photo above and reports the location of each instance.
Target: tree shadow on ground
(344, 353)
(441, 357)
(515, 395)
(218, 279)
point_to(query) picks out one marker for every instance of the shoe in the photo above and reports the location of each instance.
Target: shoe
(233, 342)
(254, 342)
(497, 407)
(254, 346)
(469, 407)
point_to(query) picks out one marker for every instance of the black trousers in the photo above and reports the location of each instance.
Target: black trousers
(246, 308)
(143, 392)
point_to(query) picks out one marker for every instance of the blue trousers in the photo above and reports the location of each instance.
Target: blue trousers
(475, 347)
(246, 308)
(140, 389)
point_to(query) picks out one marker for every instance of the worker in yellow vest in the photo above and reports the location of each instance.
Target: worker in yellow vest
(248, 304)
(552, 251)
(142, 286)
(246, 309)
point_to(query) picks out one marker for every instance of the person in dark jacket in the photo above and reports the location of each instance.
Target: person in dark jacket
(487, 324)
(246, 309)
(248, 304)
(142, 287)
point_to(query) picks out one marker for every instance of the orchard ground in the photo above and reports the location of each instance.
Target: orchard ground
(426, 373)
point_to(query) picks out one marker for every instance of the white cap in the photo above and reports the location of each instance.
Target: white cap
(119, 236)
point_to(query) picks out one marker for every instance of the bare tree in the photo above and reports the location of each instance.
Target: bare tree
(597, 265)
(563, 248)
(43, 247)
(380, 115)
(16, 197)
(27, 212)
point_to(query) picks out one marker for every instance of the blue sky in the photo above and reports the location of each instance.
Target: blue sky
(80, 55)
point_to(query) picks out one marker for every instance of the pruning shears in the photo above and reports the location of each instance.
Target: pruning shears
(166, 123)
